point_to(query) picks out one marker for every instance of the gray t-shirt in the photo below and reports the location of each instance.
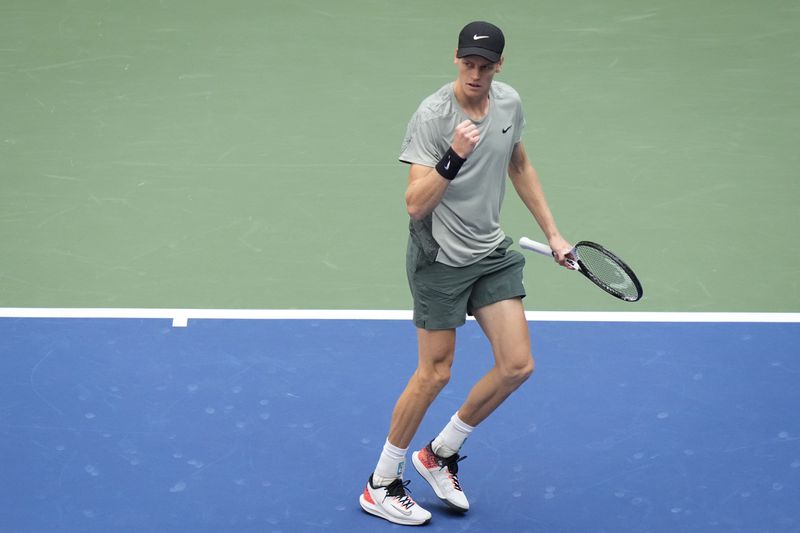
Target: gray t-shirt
(465, 226)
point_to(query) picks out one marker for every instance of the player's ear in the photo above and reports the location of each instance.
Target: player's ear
(500, 64)
(455, 57)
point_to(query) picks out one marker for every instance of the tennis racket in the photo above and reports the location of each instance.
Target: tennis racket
(602, 267)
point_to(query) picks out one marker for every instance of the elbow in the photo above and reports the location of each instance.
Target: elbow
(418, 211)
(415, 209)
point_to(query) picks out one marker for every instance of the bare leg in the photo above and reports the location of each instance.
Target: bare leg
(507, 330)
(436, 350)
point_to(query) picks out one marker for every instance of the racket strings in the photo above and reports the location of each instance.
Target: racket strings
(608, 272)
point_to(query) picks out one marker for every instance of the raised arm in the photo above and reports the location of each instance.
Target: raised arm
(427, 185)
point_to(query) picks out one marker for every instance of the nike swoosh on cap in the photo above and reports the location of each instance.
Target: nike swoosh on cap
(476, 37)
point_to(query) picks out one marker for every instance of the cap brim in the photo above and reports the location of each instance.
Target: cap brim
(494, 57)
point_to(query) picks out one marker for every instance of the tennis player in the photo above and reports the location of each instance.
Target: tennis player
(461, 144)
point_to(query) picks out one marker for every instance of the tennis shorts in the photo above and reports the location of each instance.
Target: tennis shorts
(444, 295)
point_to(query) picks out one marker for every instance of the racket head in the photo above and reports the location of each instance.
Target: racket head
(607, 271)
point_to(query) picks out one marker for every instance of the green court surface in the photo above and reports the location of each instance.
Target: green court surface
(243, 154)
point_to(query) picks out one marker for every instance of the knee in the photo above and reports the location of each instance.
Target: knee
(518, 371)
(433, 378)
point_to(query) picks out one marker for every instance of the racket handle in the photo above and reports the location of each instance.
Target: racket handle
(543, 249)
(534, 246)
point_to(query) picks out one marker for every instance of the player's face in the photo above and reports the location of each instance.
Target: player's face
(475, 74)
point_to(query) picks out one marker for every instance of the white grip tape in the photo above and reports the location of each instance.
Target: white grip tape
(530, 244)
(534, 246)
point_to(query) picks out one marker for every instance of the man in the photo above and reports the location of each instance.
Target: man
(460, 144)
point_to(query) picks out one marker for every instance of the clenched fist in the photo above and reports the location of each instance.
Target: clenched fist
(465, 138)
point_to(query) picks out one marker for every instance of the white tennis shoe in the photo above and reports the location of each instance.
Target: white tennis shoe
(442, 475)
(392, 503)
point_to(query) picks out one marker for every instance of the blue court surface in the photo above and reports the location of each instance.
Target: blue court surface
(113, 425)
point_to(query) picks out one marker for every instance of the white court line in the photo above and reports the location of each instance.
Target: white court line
(180, 317)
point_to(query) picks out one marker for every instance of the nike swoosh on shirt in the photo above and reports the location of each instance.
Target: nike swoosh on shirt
(506, 129)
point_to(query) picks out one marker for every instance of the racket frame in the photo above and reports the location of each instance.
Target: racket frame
(578, 265)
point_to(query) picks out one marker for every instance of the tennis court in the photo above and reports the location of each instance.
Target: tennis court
(272, 425)
(202, 286)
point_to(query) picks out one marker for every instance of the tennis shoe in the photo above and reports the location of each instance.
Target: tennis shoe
(442, 475)
(392, 503)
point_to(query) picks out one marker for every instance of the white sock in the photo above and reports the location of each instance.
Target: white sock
(390, 466)
(452, 437)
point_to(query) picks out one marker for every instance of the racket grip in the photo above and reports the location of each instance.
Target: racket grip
(534, 246)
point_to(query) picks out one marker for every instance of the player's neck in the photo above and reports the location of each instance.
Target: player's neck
(475, 106)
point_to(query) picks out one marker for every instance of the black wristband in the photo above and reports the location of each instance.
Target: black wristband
(449, 165)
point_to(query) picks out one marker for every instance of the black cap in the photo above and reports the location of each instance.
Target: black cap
(481, 39)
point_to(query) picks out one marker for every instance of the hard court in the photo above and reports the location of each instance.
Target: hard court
(203, 307)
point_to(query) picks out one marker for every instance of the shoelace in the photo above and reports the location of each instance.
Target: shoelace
(452, 466)
(397, 489)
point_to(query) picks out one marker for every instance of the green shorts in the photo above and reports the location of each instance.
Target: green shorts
(444, 295)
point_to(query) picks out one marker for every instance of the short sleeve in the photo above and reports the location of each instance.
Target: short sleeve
(519, 123)
(419, 146)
